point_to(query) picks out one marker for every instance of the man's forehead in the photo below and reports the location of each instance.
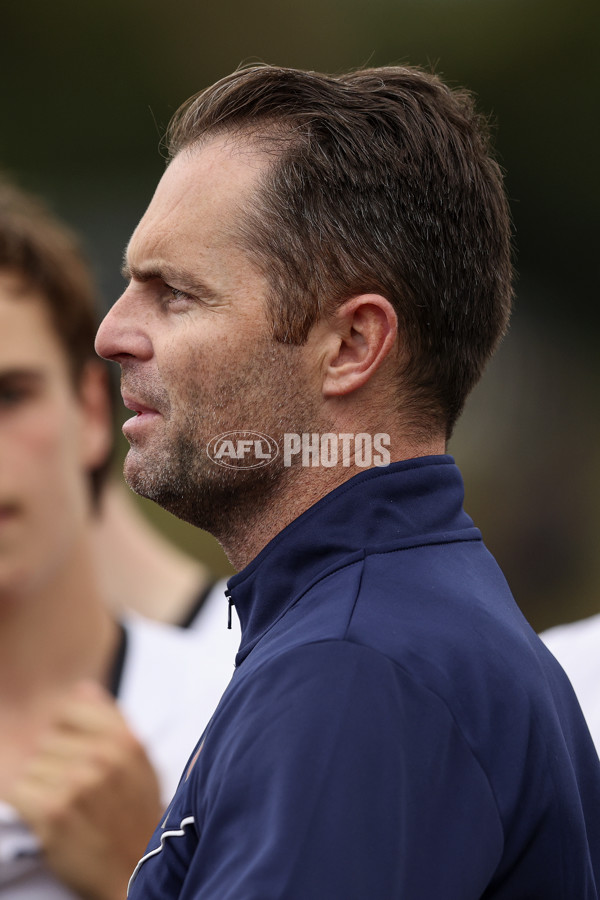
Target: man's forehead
(28, 339)
(226, 150)
(204, 189)
(213, 173)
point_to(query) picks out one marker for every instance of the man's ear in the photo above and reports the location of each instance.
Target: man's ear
(96, 435)
(362, 333)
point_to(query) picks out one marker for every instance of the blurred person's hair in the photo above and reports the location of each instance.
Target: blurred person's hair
(49, 260)
(382, 182)
(47, 257)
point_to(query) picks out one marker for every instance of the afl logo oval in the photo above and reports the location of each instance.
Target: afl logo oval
(242, 449)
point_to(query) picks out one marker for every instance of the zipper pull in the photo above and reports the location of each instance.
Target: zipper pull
(230, 601)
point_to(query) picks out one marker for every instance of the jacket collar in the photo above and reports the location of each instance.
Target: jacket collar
(413, 501)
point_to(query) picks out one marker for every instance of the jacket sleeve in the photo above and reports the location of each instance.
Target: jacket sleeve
(331, 774)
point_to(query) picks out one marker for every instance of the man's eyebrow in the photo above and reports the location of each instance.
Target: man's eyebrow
(168, 275)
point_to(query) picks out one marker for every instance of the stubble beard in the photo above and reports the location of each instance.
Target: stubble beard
(181, 478)
(192, 487)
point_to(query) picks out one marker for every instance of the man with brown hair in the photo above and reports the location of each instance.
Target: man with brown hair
(315, 287)
(90, 701)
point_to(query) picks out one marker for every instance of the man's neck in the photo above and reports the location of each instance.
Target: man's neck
(56, 634)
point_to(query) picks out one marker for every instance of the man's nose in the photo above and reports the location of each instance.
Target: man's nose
(123, 332)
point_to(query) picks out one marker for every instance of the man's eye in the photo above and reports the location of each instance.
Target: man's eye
(12, 396)
(179, 295)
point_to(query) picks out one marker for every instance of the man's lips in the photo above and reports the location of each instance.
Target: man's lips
(139, 408)
(144, 415)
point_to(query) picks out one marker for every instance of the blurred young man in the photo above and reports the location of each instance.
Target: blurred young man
(79, 793)
(315, 287)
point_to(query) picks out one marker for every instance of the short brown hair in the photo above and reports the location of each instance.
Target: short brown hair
(47, 256)
(383, 181)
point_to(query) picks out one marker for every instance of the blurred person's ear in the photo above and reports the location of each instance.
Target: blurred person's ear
(96, 431)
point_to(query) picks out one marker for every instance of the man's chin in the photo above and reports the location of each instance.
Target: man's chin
(168, 489)
(131, 469)
(143, 484)
(138, 476)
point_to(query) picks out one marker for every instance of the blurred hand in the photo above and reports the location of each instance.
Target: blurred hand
(90, 795)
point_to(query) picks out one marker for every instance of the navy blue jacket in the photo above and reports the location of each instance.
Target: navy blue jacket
(394, 729)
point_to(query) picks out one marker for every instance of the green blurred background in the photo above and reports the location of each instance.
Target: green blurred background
(88, 88)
